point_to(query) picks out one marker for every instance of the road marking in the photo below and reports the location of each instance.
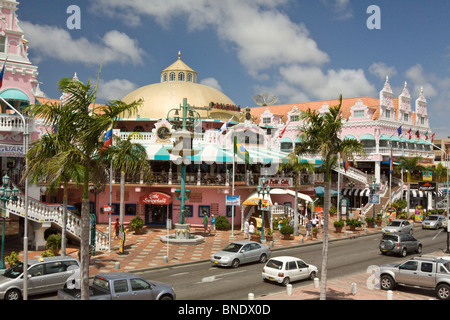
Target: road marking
(218, 277)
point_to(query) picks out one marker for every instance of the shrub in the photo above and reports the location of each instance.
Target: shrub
(12, 259)
(339, 223)
(287, 229)
(137, 223)
(54, 242)
(222, 223)
(353, 222)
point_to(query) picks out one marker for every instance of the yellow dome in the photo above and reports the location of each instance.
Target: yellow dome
(178, 81)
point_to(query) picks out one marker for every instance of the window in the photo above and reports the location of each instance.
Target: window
(422, 120)
(172, 76)
(406, 117)
(164, 79)
(53, 267)
(68, 264)
(254, 246)
(358, 113)
(181, 76)
(266, 120)
(230, 211)
(409, 265)
(301, 264)
(139, 284)
(190, 77)
(426, 267)
(36, 271)
(388, 113)
(120, 286)
(295, 118)
(2, 43)
(130, 209)
(291, 265)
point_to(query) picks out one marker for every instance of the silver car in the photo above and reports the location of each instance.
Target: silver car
(239, 252)
(433, 221)
(399, 244)
(44, 275)
(399, 226)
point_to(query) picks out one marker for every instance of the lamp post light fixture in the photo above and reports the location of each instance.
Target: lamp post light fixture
(262, 190)
(374, 187)
(6, 193)
(183, 148)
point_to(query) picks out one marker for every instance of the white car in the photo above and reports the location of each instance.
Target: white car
(286, 269)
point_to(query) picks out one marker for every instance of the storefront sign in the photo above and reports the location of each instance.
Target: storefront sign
(233, 200)
(427, 186)
(11, 150)
(155, 198)
(278, 182)
(427, 176)
(108, 209)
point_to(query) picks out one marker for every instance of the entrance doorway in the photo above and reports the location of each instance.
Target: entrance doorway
(156, 214)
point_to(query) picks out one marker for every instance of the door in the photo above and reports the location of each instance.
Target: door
(292, 270)
(426, 276)
(120, 290)
(303, 269)
(141, 290)
(407, 272)
(36, 279)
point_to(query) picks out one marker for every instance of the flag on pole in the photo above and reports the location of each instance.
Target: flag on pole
(399, 131)
(107, 141)
(282, 131)
(225, 126)
(409, 133)
(2, 73)
(391, 162)
(417, 134)
(432, 137)
(240, 151)
(345, 163)
(426, 136)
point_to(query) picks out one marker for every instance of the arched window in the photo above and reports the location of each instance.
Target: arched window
(190, 78)
(181, 76)
(164, 78)
(172, 76)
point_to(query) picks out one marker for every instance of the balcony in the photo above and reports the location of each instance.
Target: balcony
(14, 123)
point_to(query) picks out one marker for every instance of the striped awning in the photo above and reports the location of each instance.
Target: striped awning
(420, 194)
(216, 154)
(357, 192)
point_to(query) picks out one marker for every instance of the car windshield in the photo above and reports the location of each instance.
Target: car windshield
(233, 247)
(394, 224)
(390, 237)
(14, 271)
(276, 264)
(431, 218)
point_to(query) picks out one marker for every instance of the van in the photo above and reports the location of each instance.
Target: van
(44, 275)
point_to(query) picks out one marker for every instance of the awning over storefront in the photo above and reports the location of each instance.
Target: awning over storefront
(320, 191)
(292, 193)
(357, 192)
(420, 194)
(215, 154)
(254, 198)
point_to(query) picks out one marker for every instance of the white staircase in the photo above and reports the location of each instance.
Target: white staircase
(353, 174)
(43, 215)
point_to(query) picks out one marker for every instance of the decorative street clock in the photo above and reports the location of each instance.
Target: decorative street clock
(163, 133)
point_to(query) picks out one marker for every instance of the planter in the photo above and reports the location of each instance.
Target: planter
(314, 234)
(268, 238)
(256, 238)
(286, 236)
(378, 222)
(338, 229)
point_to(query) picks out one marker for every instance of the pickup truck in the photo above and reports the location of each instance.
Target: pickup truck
(424, 272)
(121, 286)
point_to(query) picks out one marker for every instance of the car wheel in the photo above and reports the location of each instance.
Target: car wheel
(166, 297)
(312, 275)
(419, 248)
(386, 282)
(235, 263)
(404, 252)
(286, 281)
(263, 258)
(443, 291)
(13, 294)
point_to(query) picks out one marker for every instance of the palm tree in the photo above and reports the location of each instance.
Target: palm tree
(128, 158)
(409, 165)
(297, 167)
(320, 135)
(84, 123)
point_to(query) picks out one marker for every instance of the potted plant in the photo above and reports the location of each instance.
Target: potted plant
(54, 243)
(332, 211)
(286, 230)
(370, 221)
(137, 224)
(256, 236)
(12, 259)
(314, 232)
(379, 220)
(269, 235)
(353, 224)
(338, 225)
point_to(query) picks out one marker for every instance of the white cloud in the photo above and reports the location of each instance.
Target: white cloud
(114, 89)
(382, 70)
(211, 82)
(50, 42)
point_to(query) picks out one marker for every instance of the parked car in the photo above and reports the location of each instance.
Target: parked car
(285, 269)
(44, 275)
(240, 252)
(400, 244)
(434, 221)
(399, 226)
(431, 273)
(121, 286)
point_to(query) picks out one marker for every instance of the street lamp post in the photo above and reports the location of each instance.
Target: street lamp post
(263, 190)
(5, 196)
(374, 187)
(183, 145)
(351, 184)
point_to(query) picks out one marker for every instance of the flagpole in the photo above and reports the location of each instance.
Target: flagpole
(338, 186)
(232, 187)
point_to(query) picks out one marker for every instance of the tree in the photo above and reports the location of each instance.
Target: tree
(297, 167)
(127, 158)
(320, 135)
(85, 124)
(409, 165)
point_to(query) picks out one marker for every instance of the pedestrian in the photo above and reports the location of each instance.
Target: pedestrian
(246, 229)
(213, 223)
(251, 228)
(309, 227)
(314, 222)
(205, 222)
(117, 228)
(259, 223)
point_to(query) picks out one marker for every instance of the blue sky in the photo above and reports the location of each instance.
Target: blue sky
(297, 50)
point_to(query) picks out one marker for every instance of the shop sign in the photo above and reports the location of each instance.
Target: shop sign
(155, 198)
(427, 186)
(278, 182)
(233, 200)
(11, 150)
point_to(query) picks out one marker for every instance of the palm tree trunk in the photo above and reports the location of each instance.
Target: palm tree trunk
(122, 196)
(296, 211)
(327, 198)
(64, 220)
(84, 247)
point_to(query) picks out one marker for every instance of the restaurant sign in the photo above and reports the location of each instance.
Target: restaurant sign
(155, 198)
(278, 182)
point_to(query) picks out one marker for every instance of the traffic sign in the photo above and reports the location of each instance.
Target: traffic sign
(374, 198)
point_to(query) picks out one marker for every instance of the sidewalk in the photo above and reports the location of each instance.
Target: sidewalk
(146, 251)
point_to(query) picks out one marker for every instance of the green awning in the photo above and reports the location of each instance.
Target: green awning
(14, 94)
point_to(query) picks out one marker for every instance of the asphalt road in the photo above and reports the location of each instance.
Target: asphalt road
(202, 281)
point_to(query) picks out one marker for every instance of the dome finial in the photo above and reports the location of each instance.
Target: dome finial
(179, 55)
